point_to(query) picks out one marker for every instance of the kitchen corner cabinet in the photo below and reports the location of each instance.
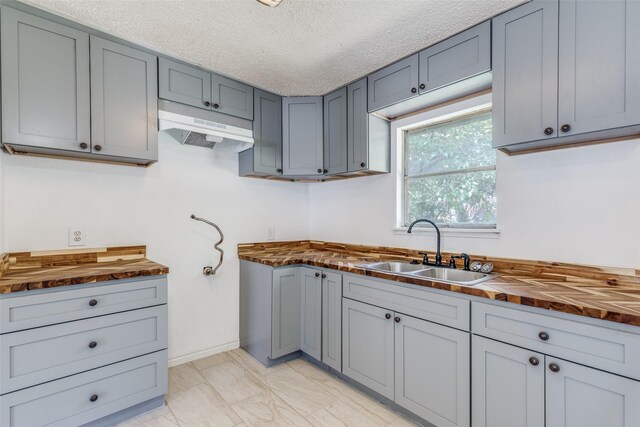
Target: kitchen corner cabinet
(302, 136)
(193, 86)
(565, 72)
(285, 321)
(368, 136)
(124, 101)
(335, 132)
(332, 320)
(311, 312)
(265, 157)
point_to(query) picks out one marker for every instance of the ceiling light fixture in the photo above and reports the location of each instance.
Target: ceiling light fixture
(270, 3)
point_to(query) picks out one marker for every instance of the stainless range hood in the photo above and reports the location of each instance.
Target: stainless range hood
(194, 126)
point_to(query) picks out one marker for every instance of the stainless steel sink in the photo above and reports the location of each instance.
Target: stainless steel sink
(395, 266)
(439, 274)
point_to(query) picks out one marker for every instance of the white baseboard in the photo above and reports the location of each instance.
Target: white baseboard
(189, 357)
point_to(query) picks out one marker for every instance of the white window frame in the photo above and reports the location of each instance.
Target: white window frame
(439, 114)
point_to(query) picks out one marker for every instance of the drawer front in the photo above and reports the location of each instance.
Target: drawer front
(35, 356)
(421, 303)
(32, 311)
(596, 346)
(68, 402)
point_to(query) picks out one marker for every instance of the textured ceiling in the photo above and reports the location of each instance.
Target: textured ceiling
(302, 47)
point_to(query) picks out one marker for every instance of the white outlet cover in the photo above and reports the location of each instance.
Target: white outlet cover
(77, 236)
(271, 233)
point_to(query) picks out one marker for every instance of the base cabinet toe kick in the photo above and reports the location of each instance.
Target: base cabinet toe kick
(90, 355)
(444, 359)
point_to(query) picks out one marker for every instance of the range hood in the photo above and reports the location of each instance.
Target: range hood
(193, 126)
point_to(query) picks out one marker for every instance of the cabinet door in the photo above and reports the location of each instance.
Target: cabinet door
(394, 83)
(525, 73)
(367, 346)
(311, 312)
(508, 385)
(45, 83)
(585, 397)
(457, 58)
(599, 65)
(432, 371)
(335, 132)
(232, 97)
(357, 126)
(302, 135)
(267, 133)
(124, 101)
(285, 322)
(332, 320)
(181, 83)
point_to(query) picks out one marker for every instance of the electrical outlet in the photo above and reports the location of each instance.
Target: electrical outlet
(271, 233)
(77, 236)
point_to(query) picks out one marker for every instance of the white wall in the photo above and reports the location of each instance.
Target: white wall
(123, 205)
(575, 205)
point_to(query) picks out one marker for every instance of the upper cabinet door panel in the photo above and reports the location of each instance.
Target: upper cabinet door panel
(45, 83)
(357, 126)
(302, 135)
(394, 83)
(525, 73)
(184, 84)
(267, 132)
(335, 132)
(232, 97)
(599, 65)
(124, 104)
(459, 57)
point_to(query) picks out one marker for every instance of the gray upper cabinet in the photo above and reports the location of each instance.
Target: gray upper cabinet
(192, 86)
(265, 158)
(285, 321)
(368, 136)
(45, 83)
(124, 101)
(302, 136)
(311, 312)
(182, 83)
(432, 371)
(599, 66)
(232, 97)
(459, 57)
(580, 396)
(368, 346)
(332, 320)
(394, 83)
(508, 385)
(525, 73)
(335, 132)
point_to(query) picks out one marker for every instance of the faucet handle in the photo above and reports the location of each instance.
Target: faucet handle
(425, 257)
(452, 261)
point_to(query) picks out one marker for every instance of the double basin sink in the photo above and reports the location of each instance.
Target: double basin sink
(439, 274)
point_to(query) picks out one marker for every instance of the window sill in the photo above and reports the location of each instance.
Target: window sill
(481, 233)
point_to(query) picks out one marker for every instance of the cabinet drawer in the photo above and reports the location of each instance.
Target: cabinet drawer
(596, 346)
(421, 303)
(68, 402)
(35, 356)
(32, 311)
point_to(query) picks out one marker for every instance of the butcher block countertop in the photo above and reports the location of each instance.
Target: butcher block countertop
(24, 271)
(606, 293)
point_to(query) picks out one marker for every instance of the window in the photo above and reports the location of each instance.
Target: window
(450, 172)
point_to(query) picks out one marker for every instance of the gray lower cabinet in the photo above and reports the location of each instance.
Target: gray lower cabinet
(432, 371)
(335, 132)
(265, 157)
(45, 83)
(507, 385)
(368, 136)
(392, 84)
(368, 346)
(311, 312)
(285, 321)
(124, 101)
(332, 320)
(302, 136)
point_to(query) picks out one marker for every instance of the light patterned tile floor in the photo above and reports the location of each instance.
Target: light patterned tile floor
(233, 389)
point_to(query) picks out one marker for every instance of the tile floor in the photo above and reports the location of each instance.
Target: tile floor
(233, 389)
